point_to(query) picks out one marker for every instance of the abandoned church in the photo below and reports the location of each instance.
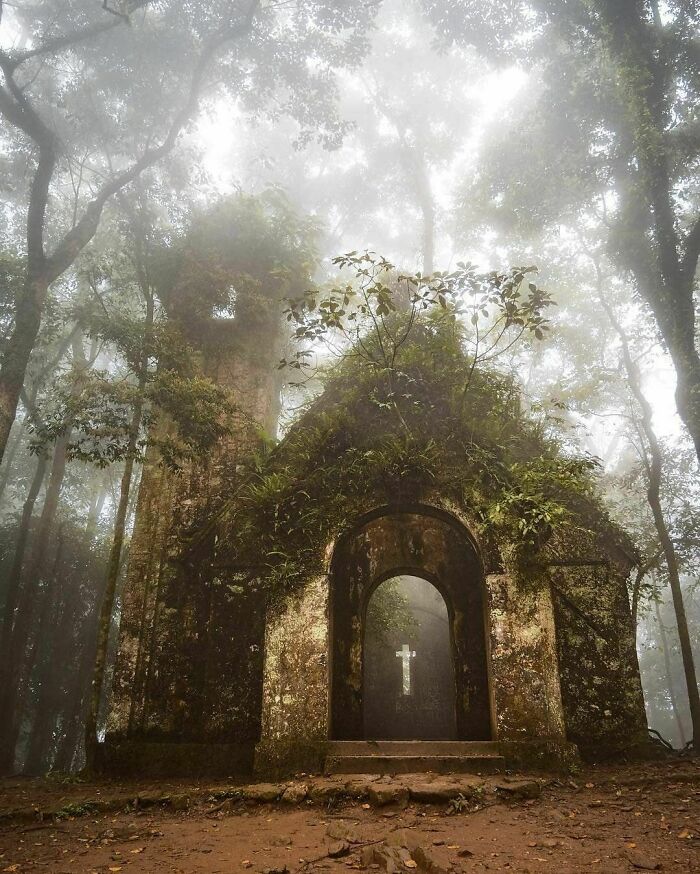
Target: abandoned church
(429, 583)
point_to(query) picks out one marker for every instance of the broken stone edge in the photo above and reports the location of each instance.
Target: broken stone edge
(375, 790)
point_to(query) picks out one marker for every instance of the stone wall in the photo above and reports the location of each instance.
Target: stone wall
(189, 661)
(524, 668)
(421, 541)
(295, 706)
(521, 667)
(601, 686)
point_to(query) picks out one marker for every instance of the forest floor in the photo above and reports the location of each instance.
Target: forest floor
(606, 819)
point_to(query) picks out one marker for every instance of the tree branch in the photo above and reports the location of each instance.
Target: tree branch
(84, 230)
(51, 46)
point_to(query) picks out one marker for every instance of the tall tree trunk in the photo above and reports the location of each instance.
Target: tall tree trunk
(669, 675)
(417, 172)
(95, 510)
(636, 590)
(18, 670)
(654, 466)
(74, 712)
(114, 565)
(105, 619)
(426, 202)
(15, 574)
(48, 654)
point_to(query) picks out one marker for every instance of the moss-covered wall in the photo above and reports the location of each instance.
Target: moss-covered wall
(601, 687)
(295, 703)
(552, 678)
(189, 660)
(524, 669)
(519, 677)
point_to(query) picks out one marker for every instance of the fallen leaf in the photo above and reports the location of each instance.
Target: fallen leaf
(684, 834)
(410, 863)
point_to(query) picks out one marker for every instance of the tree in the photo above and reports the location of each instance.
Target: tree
(653, 464)
(608, 129)
(104, 124)
(372, 319)
(408, 113)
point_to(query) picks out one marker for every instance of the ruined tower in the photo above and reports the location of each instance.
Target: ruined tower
(168, 710)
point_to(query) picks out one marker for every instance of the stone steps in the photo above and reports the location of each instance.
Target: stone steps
(413, 757)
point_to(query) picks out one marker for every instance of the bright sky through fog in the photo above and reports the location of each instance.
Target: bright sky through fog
(223, 131)
(223, 127)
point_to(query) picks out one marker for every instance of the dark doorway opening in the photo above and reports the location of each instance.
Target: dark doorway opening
(408, 683)
(432, 545)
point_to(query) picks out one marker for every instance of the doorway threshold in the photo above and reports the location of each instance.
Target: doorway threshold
(413, 757)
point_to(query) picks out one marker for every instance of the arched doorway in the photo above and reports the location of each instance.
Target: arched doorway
(417, 541)
(408, 683)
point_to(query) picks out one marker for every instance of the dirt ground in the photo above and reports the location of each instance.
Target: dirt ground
(636, 817)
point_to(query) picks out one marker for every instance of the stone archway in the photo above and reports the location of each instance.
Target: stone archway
(423, 542)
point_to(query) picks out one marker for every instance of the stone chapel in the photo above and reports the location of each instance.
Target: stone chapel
(408, 640)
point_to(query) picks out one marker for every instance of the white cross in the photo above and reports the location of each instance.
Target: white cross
(406, 654)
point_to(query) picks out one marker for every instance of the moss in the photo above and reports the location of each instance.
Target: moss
(541, 755)
(82, 808)
(275, 760)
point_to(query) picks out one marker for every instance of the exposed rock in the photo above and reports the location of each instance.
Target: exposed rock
(519, 788)
(442, 791)
(341, 830)
(322, 793)
(390, 859)
(367, 856)
(180, 802)
(403, 838)
(641, 860)
(387, 793)
(402, 851)
(427, 862)
(359, 788)
(148, 799)
(263, 792)
(295, 793)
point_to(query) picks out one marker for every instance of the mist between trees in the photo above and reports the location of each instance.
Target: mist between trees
(166, 162)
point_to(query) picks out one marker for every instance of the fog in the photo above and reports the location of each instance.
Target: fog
(163, 164)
